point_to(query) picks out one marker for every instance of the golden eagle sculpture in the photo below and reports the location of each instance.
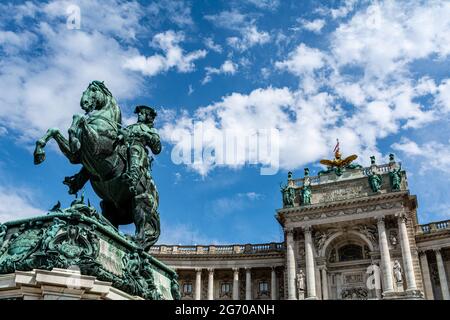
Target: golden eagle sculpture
(338, 164)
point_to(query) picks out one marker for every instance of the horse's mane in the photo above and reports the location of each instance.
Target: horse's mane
(101, 86)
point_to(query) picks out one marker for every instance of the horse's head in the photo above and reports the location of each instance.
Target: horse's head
(95, 97)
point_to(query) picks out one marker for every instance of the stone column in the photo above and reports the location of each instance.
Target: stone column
(385, 257)
(426, 275)
(210, 284)
(442, 275)
(198, 284)
(406, 254)
(324, 283)
(309, 259)
(273, 285)
(290, 257)
(248, 284)
(338, 286)
(235, 283)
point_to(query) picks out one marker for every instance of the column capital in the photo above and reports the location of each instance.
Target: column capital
(289, 231)
(198, 269)
(323, 267)
(248, 269)
(422, 252)
(437, 250)
(307, 229)
(401, 217)
(273, 268)
(381, 219)
(235, 269)
(210, 270)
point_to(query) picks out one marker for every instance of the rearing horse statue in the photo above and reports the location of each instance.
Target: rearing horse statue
(98, 142)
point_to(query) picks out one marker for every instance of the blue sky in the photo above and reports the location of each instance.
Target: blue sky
(374, 74)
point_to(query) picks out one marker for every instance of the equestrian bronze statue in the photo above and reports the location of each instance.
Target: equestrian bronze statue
(114, 159)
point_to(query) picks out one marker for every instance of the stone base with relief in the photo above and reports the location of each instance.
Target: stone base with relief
(76, 253)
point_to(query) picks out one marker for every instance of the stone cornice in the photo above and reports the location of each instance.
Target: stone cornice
(343, 207)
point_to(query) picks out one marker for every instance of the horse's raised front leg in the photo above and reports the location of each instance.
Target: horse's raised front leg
(63, 143)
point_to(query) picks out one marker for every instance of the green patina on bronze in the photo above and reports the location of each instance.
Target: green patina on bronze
(116, 162)
(74, 237)
(114, 159)
(375, 179)
(395, 174)
(305, 193)
(288, 192)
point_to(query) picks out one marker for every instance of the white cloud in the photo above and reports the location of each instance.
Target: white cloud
(314, 25)
(174, 56)
(228, 68)
(3, 131)
(443, 95)
(250, 37)
(344, 10)
(176, 11)
(265, 4)
(44, 91)
(11, 42)
(17, 203)
(302, 60)
(381, 96)
(232, 20)
(310, 117)
(241, 23)
(387, 36)
(433, 155)
(209, 43)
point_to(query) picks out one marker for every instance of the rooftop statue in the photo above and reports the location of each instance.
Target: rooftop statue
(305, 193)
(288, 192)
(395, 173)
(338, 165)
(114, 159)
(375, 179)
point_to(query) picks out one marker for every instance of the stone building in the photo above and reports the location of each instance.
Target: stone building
(349, 233)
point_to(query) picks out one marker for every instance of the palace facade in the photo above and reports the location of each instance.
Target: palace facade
(349, 233)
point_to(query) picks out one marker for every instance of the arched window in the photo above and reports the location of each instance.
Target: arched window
(350, 252)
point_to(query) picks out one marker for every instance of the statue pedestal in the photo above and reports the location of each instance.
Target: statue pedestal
(57, 284)
(79, 246)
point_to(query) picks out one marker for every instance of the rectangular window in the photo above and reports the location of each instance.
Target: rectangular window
(225, 287)
(263, 287)
(187, 287)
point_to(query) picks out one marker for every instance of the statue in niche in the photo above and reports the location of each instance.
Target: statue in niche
(395, 175)
(321, 238)
(306, 190)
(370, 232)
(300, 281)
(375, 179)
(397, 272)
(393, 239)
(332, 256)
